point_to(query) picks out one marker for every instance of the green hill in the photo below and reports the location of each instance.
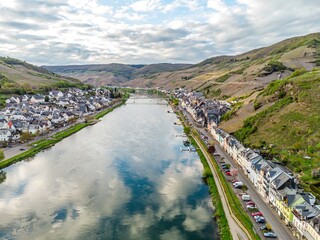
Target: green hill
(19, 77)
(17, 73)
(286, 125)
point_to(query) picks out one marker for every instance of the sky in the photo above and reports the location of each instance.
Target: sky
(61, 32)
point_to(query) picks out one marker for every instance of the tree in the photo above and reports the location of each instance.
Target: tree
(244, 188)
(268, 226)
(26, 137)
(46, 98)
(211, 149)
(187, 130)
(3, 176)
(1, 154)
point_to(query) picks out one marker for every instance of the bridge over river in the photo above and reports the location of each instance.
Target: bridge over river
(147, 99)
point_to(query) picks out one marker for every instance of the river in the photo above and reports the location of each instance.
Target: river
(123, 178)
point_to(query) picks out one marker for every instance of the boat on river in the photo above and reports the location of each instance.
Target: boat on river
(186, 143)
(181, 135)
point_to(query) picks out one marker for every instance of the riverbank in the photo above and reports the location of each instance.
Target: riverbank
(231, 202)
(51, 141)
(224, 229)
(219, 214)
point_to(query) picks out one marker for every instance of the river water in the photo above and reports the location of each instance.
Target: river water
(123, 178)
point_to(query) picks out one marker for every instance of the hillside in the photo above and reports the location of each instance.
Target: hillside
(225, 77)
(19, 74)
(114, 73)
(286, 124)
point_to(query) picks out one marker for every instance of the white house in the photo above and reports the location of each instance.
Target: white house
(35, 129)
(37, 99)
(56, 94)
(5, 135)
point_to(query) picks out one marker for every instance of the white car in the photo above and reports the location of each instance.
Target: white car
(251, 206)
(270, 235)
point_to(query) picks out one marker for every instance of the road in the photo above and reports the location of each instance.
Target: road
(282, 231)
(278, 226)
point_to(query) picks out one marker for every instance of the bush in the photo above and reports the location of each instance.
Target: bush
(298, 72)
(257, 105)
(1, 154)
(3, 176)
(271, 67)
(223, 78)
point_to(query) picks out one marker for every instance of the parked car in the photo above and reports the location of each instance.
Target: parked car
(256, 214)
(270, 235)
(260, 219)
(228, 173)
(251, 206)
(246, 197)
(235, 180)
(235, 183)
(224, 166)
(238, 184)
(250, 203)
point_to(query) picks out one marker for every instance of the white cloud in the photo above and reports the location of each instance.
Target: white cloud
(192, 5)
(66, 32)
(196, 218)
(145, 5)
(217, 5)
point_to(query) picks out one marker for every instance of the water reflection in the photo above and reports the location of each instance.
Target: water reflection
(123, 178)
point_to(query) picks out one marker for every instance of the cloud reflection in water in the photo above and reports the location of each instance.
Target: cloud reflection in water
(119, 179)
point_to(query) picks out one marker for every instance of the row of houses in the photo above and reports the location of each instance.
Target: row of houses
(276, 185)
(38, 114)
(205, 112)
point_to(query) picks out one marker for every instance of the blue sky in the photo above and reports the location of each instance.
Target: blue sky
(147, 31)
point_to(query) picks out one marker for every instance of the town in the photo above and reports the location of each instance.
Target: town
(276, 185)
(31, 115)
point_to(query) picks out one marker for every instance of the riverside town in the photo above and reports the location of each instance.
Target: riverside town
(159, 120)
(40, 114)
(276, 185)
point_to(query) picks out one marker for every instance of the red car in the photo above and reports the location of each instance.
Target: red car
(250, 203)
(257, 214)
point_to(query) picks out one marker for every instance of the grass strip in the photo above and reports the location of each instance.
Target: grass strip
(43, 144)
(49, 142)
(108, 110)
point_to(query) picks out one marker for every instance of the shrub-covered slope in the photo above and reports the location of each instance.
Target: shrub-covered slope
(287, 123)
